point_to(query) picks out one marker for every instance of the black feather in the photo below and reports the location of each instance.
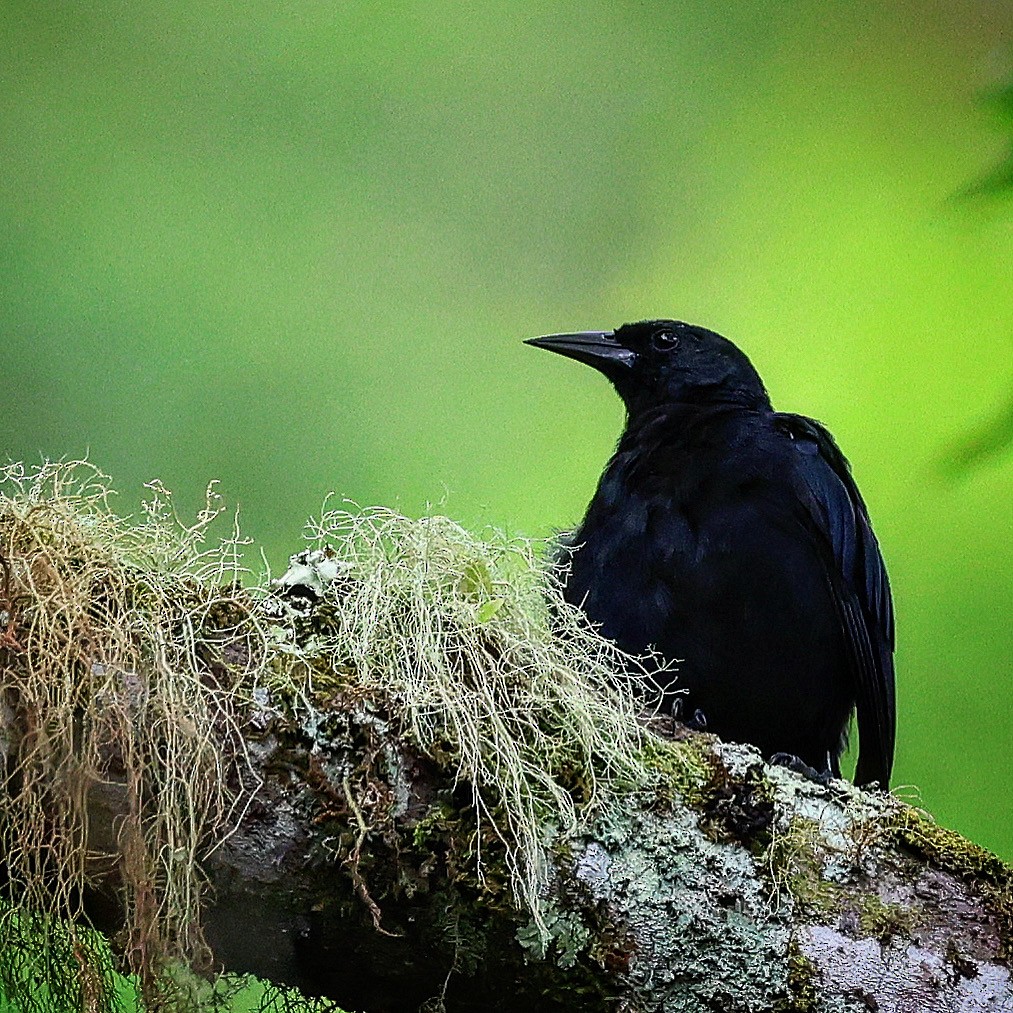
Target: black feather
(733, 539)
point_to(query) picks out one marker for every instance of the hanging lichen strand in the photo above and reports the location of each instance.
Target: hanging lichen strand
(110, 674)
(129, 658)
(479, 656)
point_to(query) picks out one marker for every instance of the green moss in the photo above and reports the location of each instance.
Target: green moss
(792, 859)
(883, 921)
(803, 978)
(435, 821)
(681, 769)
(814, 894)
(949, 851)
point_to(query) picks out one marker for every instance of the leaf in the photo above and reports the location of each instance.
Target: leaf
(488, 609)
(475, 578)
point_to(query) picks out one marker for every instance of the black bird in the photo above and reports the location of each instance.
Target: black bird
(733, 538)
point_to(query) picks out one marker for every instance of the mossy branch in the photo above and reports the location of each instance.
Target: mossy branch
(408, 775)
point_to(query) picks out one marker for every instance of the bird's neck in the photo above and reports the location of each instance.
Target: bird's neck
(686, 416)
(699, 398)
(680, 435)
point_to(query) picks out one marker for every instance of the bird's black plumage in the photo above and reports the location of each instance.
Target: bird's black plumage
(733, 538)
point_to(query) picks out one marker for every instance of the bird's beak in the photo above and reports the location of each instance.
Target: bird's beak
(594, 348)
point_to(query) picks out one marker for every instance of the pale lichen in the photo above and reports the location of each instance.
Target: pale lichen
(471, 646)
(113, 670)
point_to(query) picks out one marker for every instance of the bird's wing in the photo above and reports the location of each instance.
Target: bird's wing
(860, 586)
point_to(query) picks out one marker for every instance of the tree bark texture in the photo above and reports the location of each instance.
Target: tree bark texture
(358, 874)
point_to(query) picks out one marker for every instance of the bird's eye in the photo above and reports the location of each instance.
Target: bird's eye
(664, 341)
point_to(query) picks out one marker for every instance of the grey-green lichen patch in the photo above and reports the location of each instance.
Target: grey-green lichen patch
(883, 915)
(698, 930)
(568, 936)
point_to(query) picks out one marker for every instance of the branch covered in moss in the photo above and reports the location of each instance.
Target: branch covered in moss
(408, 776)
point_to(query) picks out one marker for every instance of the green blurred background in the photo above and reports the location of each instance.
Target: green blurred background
(296, 248)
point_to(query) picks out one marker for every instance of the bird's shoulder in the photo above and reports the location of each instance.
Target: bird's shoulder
(825, 486)
(812, 439)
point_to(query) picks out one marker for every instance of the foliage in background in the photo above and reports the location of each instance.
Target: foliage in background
(996, 435)
(999, 180)
(298, 249)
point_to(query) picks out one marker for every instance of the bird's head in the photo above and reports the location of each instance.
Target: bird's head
(658, 362)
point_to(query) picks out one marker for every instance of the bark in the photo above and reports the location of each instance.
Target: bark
(355, 875)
